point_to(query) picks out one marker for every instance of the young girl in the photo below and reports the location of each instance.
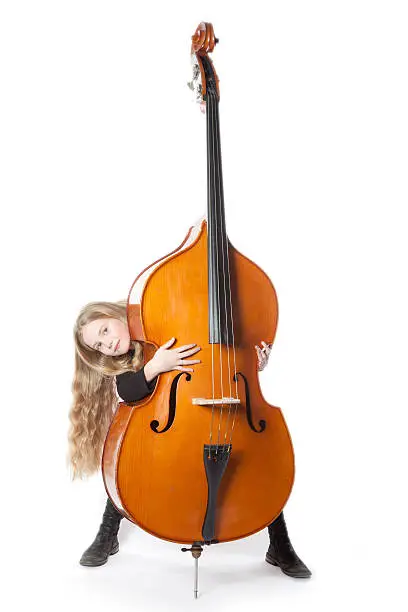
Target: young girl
(108, 363)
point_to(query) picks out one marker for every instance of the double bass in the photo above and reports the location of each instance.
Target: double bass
(204, 459)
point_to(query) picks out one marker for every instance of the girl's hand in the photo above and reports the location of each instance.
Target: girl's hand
(263, 355)
(165, 359)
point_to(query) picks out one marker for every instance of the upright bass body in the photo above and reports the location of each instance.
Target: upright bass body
(156, 464)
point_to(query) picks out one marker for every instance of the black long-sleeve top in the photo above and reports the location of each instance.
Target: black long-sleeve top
(133, 386)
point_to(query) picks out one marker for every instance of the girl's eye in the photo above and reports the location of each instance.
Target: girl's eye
(99, 344)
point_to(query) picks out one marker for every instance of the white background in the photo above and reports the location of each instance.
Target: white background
(104, 170)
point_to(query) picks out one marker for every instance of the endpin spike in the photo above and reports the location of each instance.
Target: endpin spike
(196, 578)
(196, 550)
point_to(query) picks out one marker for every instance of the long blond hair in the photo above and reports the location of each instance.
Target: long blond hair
(94, 389)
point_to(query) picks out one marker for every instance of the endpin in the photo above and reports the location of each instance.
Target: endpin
(196, 550)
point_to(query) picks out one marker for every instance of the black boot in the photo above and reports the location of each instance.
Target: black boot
(281, 553)
(106, 541)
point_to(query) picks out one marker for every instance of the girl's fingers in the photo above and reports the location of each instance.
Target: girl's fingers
(190, 352)
(266, 348)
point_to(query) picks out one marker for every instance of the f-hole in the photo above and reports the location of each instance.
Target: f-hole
(172, 405)
(262, 423)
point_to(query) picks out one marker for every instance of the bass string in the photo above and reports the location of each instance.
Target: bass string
(216, 189)
(210, 226)
(218, 222)
(228, 276)
(224, 254)
(214, 224)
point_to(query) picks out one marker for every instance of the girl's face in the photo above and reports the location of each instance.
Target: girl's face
(103, 335)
